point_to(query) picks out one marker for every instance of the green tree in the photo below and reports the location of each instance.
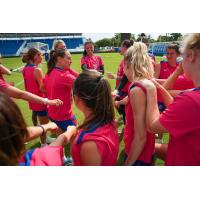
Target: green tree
(103, 43)
(175, 36)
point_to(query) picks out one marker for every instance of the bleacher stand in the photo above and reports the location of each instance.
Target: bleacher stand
(13, 44)
(158, 49)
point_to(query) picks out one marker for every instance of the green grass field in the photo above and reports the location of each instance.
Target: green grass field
(111, 61)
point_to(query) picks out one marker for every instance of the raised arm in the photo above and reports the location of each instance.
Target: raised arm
(152, 111)
(167, 97)
(169, 83)
(65, 137)
(157, 70)
(36, 131)
(20, 94)
(4, 70)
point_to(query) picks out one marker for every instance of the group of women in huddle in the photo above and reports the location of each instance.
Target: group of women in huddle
(156, 99)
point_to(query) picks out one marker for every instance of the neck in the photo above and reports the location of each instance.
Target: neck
(172, 63)
(31, 63)
(197, 82)
(196, 78)
(66, 67)
(87, 112)
(90, 55)
(139, 79)
(58, 66)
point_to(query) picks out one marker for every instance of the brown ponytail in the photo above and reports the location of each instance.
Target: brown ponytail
(29, 55)
(95, 91)
(13, 132)
(54, 54)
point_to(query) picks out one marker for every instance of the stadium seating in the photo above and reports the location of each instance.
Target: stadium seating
(158, 49)
(10, 47)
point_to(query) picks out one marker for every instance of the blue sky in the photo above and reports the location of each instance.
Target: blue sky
(98, 36)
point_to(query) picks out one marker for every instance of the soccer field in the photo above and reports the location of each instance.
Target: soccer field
(111, 61)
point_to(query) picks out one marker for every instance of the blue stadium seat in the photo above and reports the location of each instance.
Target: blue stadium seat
(9, 47)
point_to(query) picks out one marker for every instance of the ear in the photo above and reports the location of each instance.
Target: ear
(76, 99)
(191, 55)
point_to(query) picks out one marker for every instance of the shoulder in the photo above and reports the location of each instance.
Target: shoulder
(88, 146)
(189, 96)
(99, 57)
(187, 101)
(37, 70)
(163, 62)
(143, 86)
(3, 84)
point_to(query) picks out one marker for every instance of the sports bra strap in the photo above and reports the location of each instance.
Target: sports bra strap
(136, 84)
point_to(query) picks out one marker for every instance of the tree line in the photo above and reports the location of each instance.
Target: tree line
(116, 40)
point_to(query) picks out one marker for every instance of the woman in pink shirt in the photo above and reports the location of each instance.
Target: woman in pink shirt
(33, 80)
(4, 70)
(166, 68)
(96, 141)
(124, 46)
(181, 118)
(14, 133)
(90, 60)
(58, 84)
(139, 142)
(27, 96)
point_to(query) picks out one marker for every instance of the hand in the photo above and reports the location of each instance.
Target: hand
(51, 126)
(117, 104)
(114, 95)
(180, 69)
(72, 130)
(55, 102)
(158, 85)
(110, 75)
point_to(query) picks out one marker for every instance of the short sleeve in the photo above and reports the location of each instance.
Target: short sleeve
(73, 72)
(100, 61)
(67, 79)
(121, 69)
(3, 85)
(47, 156)
(102, 148)
(83, 61)
(180, 117)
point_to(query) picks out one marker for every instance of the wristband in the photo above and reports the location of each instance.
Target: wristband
(43, 131)
(46, 101)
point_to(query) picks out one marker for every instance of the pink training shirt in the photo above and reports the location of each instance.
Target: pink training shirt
(166, 70)
(92, 62)
(58, 85)
(120, 72)
(3, 85)
(106, 139)
(32, 86)
(146, 154)
(46, 156)
(182, 83)
(182, 120)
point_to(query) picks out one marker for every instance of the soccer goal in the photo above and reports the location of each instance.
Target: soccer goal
(39, 45)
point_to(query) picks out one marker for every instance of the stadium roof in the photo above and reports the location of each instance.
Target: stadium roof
(21, 35)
